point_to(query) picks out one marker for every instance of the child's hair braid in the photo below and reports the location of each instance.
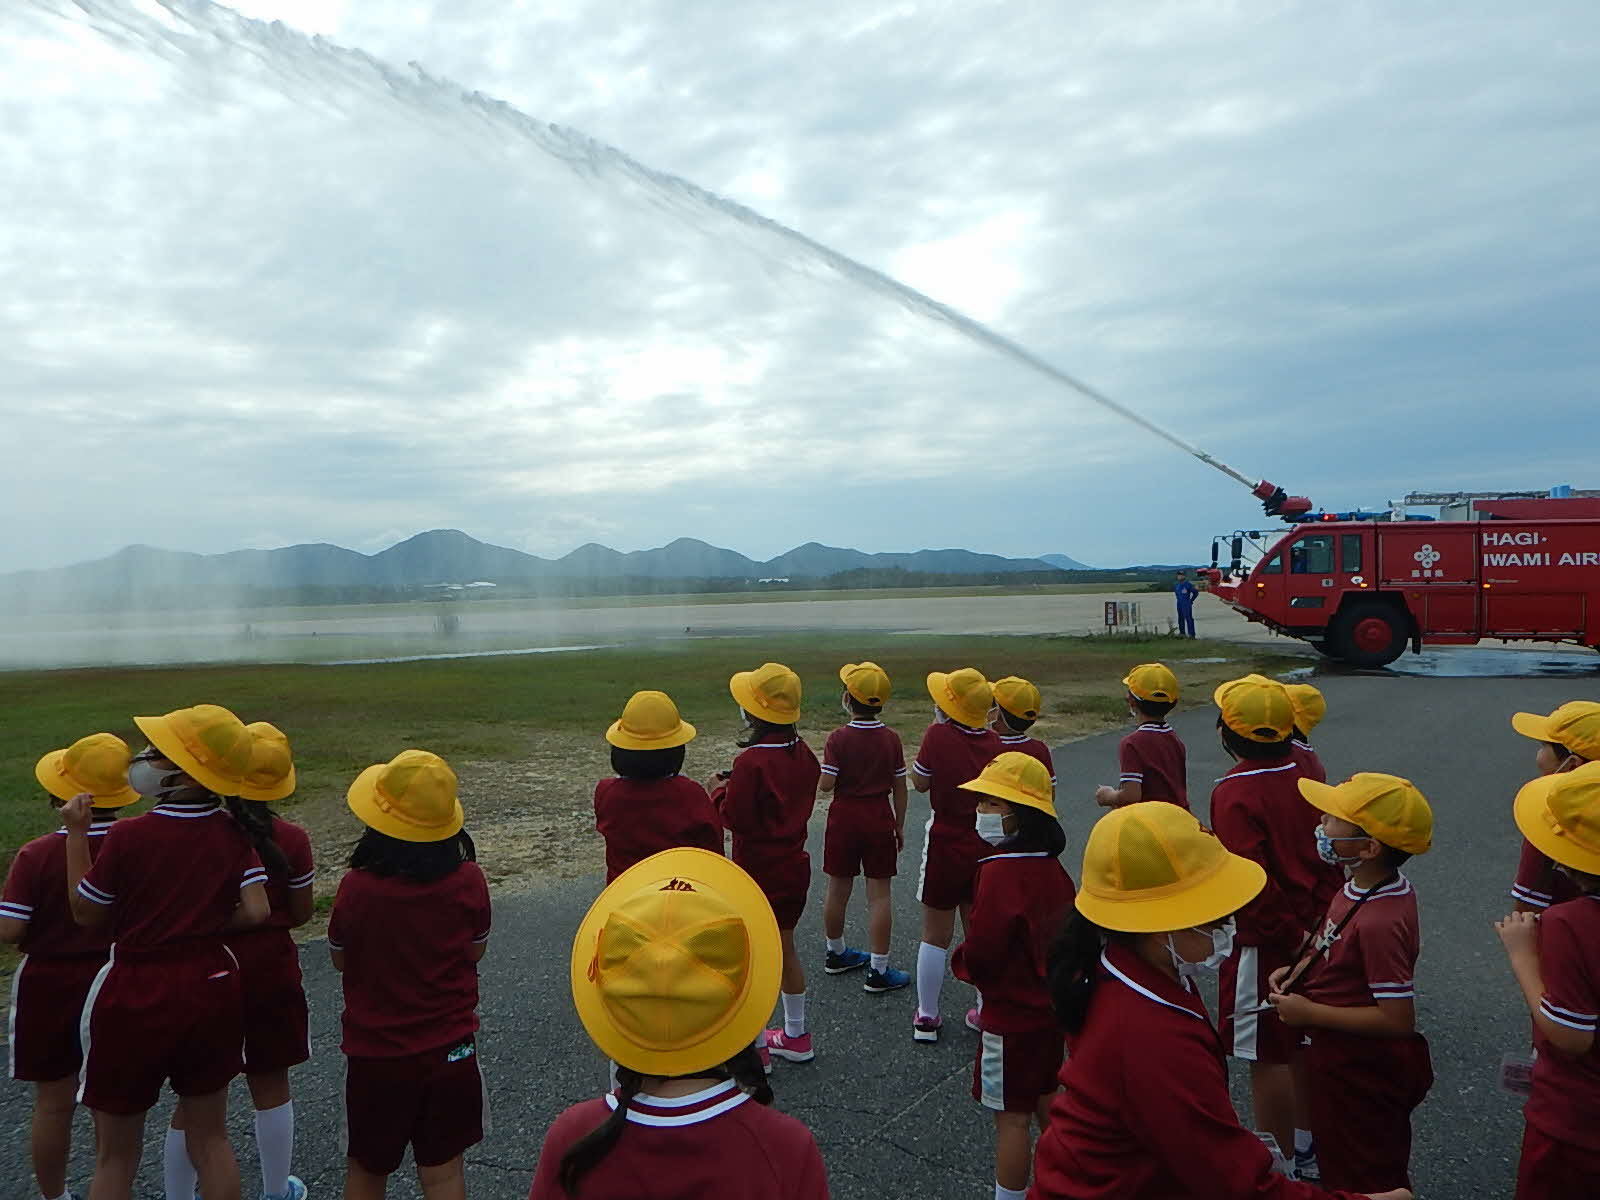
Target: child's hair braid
(585, 1154)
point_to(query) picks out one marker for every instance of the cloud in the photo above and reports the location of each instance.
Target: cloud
(273, 291)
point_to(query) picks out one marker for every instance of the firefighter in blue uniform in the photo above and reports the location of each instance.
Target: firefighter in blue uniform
(1185, 592)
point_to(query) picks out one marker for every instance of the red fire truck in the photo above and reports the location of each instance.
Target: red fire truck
(1363, 586)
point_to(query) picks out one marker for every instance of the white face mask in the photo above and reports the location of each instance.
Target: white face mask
(150, 780)
(991, 827)
(938, 715)
(1221, 947)
(844, 705)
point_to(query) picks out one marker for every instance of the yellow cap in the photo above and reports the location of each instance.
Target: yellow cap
(1256, 707)
(1575, 725)
(1387, 807)
(1018, 697)
(1017, 778)
(650, 721)
(412, 797)
(1152, 681)
(675, 967)
(964, 696)
(1560, 815)
(771, 692)
(1309, 706)
(1151, 867)
(866, 681)
(97, 764)
(271, 773)
(207, 743)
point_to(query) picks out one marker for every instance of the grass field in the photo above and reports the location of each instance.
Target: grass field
(526, 734)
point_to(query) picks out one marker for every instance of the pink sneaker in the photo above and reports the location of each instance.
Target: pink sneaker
(972, 1021)
(763, 1053)
(926, 1029)
(791, 1049)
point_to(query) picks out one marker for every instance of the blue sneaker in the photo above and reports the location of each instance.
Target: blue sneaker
(297, 1191)
(1305, 1165)
(886, 980)
(846, 960)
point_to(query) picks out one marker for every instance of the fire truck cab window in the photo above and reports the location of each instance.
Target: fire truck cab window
(1273, 565)
(1350, 553)
(1312, 555)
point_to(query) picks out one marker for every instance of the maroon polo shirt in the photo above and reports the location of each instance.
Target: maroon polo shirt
(949, 756)
(768, 797)
(1153, 756)
(36, 893)
(864, 758)
(641, 817)
(1374, 957)
(1018, 904)
(1566, 1089)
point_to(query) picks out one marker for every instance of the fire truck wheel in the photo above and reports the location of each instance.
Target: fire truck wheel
(1370, 635)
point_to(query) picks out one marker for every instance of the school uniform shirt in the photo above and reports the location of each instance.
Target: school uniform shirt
(1538, 884)
(641, 817)
(409, 986)
(716, 1142)
(949, 756)
(1307, 759)
(1021, 743)
(1374, 957)
(864, 759)
(1566, 1090)
(768, 797)
(1144, 1111)
(35, 893)
(1019, 901)
(1153, 756)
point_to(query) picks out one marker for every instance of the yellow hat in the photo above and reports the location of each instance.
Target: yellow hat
(1560, 815)
(1575, 725)
(207, 743)
(1018, 697)
(1152, 681)
(97, 764)
(1387, 807)
(411, 797)
(866, 681)
(650, 721)
(271, 773)
(1151, 867)
(770, 692)
(675, 967)
(1256, 707)
(1017, 778)
(1309, 706)
(964, 696)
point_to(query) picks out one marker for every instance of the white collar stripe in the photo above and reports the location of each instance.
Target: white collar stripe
(1015, 854)
(1401, 887)
(639, 1115)
(1144, 991)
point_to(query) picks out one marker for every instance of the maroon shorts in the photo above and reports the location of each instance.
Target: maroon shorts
(148, 1021)
(47, 996)
(848, 850)
(949, 865)
(1014, 1071)
(1242, 984)
(1363, 1091)
(276, 1023)
(432, 1102)
(1554, 1170)
(784, 880)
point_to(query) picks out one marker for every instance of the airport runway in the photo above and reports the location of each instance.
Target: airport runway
(895, 1118)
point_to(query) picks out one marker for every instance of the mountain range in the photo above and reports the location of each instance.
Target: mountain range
(448, 556)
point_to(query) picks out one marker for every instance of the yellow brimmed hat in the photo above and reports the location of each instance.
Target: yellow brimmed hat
(207, 743)
(675, 967)
(1575, 725)
(866, 681)
(1152, 681)
(1560, 815)
(1017, 778)
(1018, 697)
(1386, 807)
(271, 773)
(411, 797)
(1308, 704)
(650, 721)
(771, 692)
(1256, 707)
(1151, 867)
(964, 696)
(97, 764)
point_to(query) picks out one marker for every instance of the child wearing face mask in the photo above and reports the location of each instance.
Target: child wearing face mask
(1153, 759)
(1020, 896)
(864, 768)
(1555, 957)
(1367, 1067)
(1017, 705)
(1568, 738)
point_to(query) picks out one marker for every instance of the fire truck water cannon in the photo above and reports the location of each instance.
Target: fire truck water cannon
(1276, 502)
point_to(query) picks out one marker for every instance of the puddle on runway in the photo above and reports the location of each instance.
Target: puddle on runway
(1471, 662)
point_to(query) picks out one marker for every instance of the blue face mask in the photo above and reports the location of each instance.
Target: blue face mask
(1329, 855)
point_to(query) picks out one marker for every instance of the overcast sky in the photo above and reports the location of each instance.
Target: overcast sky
(253, 296)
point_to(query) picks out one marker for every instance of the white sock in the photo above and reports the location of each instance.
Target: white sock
(178, 1175)
(794, 1015)
(930, 978)
(835, 945)
(880, 963)
(1005, 1193)
(1302, 1141)
(275, 1145)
